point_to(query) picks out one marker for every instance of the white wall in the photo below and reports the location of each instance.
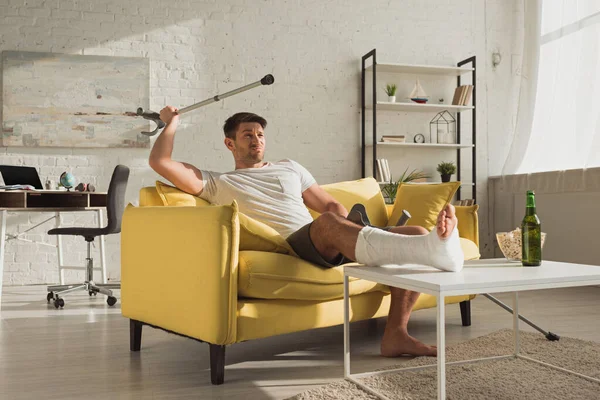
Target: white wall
(201, 48)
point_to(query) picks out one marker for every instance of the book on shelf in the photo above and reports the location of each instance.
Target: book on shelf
(468, 96)
(462, 95)
(465, 202)
(379, 170)
(457, 93)
(393, 138)
(383, 169)
(386, 170)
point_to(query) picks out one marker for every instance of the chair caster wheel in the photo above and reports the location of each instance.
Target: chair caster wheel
(111, 300)
(91, 292)
(49, 296)
(59, 303)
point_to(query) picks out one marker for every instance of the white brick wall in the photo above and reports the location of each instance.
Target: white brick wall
(200, 48)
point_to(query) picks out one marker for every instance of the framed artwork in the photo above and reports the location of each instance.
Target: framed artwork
(68, 100)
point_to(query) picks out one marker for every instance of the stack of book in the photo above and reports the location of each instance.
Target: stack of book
(393, 138)
(466, 202)
(383, 169)
(462, 95)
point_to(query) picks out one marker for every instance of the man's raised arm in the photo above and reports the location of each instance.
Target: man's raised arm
(183, 175)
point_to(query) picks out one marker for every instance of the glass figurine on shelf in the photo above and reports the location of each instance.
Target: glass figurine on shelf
(442, 128)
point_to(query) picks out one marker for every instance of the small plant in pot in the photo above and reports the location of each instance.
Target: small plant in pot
(391, 189)
(446, 169)
(390, 90)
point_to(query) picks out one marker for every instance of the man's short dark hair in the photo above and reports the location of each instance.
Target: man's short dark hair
(233, 123)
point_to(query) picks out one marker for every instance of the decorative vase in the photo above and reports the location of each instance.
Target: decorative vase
(446, 178)
(392, 99)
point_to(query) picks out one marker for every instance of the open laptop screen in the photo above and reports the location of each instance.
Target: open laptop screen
(17, 175)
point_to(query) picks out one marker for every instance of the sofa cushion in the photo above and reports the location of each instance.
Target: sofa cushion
(423, 201)
(278, 276)
(365, 191)
(264, 275)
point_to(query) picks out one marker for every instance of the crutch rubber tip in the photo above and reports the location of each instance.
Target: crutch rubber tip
(267, 80)
(552, 337)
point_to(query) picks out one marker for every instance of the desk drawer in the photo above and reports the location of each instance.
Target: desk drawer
(57, 200)
(12, 199)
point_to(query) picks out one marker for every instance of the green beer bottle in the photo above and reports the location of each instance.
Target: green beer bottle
(531, 234)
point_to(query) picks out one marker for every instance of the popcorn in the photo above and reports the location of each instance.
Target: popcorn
(510, 244)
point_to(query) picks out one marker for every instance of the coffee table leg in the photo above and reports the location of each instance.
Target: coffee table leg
(441, 347)
(516, 322)
(346, 329)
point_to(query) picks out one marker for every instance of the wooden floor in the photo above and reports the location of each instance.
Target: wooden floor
(82, 351)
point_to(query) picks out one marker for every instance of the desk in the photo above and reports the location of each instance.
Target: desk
(50, 201)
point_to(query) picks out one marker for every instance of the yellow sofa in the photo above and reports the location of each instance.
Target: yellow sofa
(212, 274)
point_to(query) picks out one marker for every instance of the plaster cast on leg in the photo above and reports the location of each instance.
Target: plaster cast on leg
(376, 247)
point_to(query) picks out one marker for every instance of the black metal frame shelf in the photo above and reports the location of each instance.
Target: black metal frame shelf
(437, 70)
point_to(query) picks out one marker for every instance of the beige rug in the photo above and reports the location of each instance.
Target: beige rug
(499, 380)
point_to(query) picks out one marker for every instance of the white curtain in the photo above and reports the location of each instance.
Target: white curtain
(559, 127)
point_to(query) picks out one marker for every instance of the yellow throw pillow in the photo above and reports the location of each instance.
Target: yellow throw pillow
(423, 201)
(149, 197)
(468, 222)
(172, 196)
(255, 235)
(365, 191)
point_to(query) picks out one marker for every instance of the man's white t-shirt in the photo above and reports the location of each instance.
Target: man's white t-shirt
(271, 194)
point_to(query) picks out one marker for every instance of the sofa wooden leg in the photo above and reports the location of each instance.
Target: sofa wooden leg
(217, 364)
(465, 312)
(135, 335)
(372, 327)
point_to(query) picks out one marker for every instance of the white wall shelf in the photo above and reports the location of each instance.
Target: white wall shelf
(425, 145)
(369, 102)
(420, 69)
(385, 105)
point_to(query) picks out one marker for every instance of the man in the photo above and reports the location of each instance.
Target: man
(277, 194)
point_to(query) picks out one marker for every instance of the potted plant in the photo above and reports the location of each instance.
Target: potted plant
(390, 89)
(446, 169)
(391, 189)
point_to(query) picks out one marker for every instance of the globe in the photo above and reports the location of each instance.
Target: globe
(67, 180)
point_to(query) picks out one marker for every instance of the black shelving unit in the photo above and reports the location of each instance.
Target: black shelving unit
(373, 55)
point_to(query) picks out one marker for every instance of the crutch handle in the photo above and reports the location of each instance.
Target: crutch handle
(151, 116)
(403, 218)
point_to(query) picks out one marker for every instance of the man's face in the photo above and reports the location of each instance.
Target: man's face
(249, 143)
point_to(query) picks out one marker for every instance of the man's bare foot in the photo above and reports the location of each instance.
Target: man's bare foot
(446, 221)
(396, 343)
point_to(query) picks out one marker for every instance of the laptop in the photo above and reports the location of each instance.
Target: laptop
(17, 175)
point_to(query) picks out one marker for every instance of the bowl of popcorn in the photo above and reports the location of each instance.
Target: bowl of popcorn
(510, 244)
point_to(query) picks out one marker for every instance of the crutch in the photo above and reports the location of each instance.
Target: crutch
(155, 117)
(549, 335)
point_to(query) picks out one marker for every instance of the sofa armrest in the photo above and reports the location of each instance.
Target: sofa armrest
(179, 269)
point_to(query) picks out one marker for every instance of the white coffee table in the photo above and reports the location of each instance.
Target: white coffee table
(478, 276)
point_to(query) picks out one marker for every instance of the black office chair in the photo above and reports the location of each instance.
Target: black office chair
(115, 206)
